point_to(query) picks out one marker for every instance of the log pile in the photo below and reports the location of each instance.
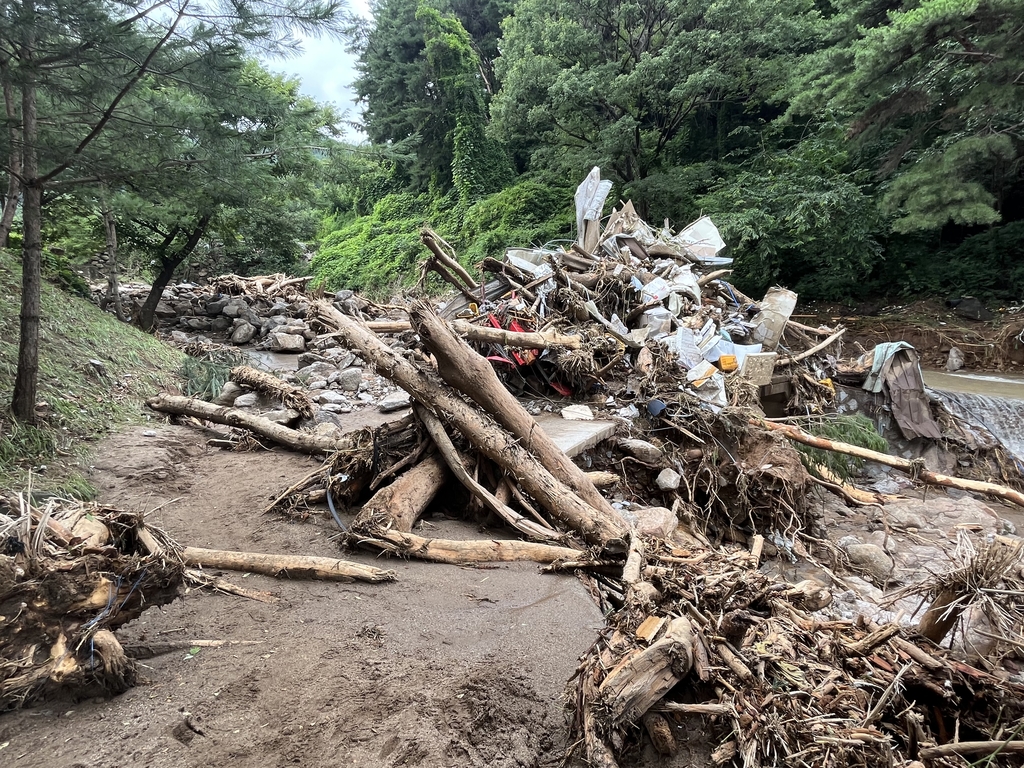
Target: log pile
(667, 520)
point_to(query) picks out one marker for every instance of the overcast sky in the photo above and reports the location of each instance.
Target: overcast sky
(326, 70)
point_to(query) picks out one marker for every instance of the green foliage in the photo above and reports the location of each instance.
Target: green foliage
(524, 215)
(854, 429)
(83, 403)
(796, 218)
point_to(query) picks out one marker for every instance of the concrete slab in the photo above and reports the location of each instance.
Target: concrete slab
(574, 437)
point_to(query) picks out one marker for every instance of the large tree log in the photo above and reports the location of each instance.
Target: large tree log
(465, 370)
(303, 442)
(913, 469)
(644, 676)
(458, 552)
(399, 505)
(561, 502)
(288, 566)
(451, 457)
(289, 395)
(517, 339)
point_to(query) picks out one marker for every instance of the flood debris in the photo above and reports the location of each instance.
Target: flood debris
(625, 413)
(70, 574)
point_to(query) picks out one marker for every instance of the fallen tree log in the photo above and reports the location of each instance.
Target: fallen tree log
(465, 370)
(560, 501)
(813, 350)
(516, 339)
(303, 442)
(399, 505)
(289, 395)
(456, 552)
(286, 566)
(451, 457)
(914, 469)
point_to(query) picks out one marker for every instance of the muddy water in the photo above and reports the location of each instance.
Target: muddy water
(995, 402)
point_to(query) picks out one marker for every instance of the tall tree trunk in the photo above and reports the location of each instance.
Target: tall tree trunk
(23, 403)
(147, 315)
(10, 201)
(113, 290)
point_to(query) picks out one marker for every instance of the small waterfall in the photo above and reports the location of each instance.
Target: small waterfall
(1003, 417)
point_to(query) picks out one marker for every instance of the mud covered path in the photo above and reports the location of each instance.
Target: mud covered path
(446, 667)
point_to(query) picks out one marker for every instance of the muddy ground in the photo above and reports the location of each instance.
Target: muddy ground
(448, 666)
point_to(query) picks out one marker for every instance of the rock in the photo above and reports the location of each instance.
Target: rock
(220, 324)
(313, 371)
(326, 416)
(668, 479)
(659, 522)
(235, 306)
(216, 306)
(648, 453)
(180, 338)
(248, 400)
(343, 295)
(286, 416)
(276, 321)
(972, 309)
(395, 401)
(165, 311)
(955, 361)
(198, 323)
(873, 560)
(243, 334)
(287, 342)
(330, 397)
(228, 393)
(350, 379)
(340, 356)
(337, 408)
(318, 384)
(328, 429)
(308, 358)
(365, 397)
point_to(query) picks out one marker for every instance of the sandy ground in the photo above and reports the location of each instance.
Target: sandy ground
(447, 666)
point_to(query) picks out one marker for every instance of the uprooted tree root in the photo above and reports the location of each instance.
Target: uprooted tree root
(64, 588)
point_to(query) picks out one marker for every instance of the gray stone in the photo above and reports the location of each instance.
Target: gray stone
(659, 522)
(319, 370)
(340, 356)
(337, 408)
(235, 306)
(668, 479)
(871, 559)
(276, 321)
(955, 361)
(395, 401)
(180, 338)
(328, 429)
(309, 334)
(165, 311)
(243, 333)
(248, 400)
(317, 384)
(228, 393)
(350, 379)
(216, 306)
(287, 342)
(285, 416)
(198, 323)
(308, 358)
(326, 416)
(330, 397)
(220, 324)
(366, 397)
(343, 295)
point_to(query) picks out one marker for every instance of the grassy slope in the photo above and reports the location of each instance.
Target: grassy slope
(83, 405)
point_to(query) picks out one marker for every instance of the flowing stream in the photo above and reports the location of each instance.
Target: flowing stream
(995, 402)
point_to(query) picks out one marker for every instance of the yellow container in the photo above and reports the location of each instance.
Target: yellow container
(728, 363)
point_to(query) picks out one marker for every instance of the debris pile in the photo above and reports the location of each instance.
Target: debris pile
(70, 574)
(606, 403)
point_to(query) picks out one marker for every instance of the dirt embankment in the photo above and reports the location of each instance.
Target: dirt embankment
(447, 667)
(933, 328)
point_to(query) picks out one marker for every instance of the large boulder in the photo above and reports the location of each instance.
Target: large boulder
(216, 306)
(287, 342)
(228, 394)
(349, 379)
(243, 333)
(235, 306)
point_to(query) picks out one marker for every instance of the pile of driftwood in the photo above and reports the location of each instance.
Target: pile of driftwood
(71, 573)
(668, 520)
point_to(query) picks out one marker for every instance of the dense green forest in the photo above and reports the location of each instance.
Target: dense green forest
(846, 148)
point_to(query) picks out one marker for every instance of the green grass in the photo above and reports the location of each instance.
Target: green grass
(83, 404)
